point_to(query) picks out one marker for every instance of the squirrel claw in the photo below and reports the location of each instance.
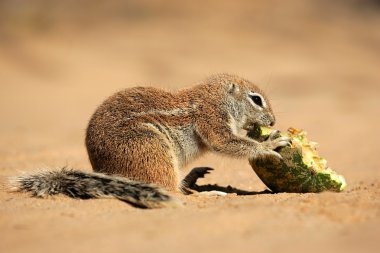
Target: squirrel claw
(198, 172)
(269, 154)
(274, 135)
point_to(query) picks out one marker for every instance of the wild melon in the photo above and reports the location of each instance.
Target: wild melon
(301, 169)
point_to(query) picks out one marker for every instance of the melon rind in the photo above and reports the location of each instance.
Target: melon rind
(301, 170)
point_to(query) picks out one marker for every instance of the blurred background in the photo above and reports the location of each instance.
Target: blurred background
(318, 60)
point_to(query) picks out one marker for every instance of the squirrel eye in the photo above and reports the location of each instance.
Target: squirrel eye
(257, 100)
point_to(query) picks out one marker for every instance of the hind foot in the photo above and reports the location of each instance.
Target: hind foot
(189, 182)
(189, 186)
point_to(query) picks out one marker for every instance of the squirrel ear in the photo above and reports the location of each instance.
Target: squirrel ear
(233, 88)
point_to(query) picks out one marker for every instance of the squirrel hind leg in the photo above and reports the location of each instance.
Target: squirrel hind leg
(149, 157)
(188, 184)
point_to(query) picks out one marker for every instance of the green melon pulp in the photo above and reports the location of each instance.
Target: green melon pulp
(301, 170)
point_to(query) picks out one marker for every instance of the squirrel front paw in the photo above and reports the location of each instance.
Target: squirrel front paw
(275, 140)
(268, 147)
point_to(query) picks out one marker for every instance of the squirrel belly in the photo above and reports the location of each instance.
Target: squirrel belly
(146, 136)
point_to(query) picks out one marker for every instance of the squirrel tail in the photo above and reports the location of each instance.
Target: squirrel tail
(86, 185)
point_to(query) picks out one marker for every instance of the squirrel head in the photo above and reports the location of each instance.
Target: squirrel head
(248, 103)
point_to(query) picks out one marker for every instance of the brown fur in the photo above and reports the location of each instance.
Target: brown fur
(148, 134)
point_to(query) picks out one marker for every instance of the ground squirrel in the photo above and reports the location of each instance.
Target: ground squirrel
(146, 135)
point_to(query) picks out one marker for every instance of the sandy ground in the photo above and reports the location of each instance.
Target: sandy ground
(321, 72)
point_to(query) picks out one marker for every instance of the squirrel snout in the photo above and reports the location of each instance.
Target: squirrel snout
(272, 121)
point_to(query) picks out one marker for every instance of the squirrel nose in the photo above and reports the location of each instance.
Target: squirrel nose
(272, 120)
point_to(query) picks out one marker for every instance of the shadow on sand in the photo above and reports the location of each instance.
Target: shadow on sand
(226, 189)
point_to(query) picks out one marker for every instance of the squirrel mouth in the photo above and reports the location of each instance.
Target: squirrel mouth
(251, 125)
